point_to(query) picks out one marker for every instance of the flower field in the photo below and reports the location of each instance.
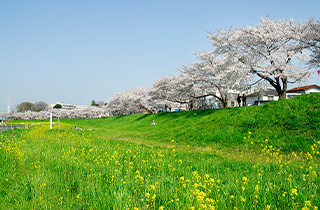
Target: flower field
(72, 169)
(259, 157)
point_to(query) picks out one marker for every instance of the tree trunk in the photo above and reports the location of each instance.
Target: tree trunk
(143, 107)
(224, 101)
(225, 104)
(223, 98)
(282, 94)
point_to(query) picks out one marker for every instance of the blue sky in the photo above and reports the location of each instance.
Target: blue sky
(77, 51)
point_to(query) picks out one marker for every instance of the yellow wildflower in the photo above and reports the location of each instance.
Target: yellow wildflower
(242, 199)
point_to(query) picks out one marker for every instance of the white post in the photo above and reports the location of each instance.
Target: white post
(50, 121)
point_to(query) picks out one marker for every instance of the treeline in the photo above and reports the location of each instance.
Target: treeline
(28, 106)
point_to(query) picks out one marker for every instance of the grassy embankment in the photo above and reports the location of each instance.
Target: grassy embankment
(262, 157)
(291, 125)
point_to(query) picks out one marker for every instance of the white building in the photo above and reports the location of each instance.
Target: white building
(262, 97)
(270, 94)
(80, 106)
(213, 103)
(63, 105)
(303, 90)
(68, 106)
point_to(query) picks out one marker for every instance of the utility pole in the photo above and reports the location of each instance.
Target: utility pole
(8, 100)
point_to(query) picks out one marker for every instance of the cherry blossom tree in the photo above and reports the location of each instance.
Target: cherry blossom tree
(131, 101)
(268, 51)
(216, 75)
(311, 39)
(182, 89)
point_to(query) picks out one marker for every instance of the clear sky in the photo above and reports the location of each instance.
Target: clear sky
(76, 51)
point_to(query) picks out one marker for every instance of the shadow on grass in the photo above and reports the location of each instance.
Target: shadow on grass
(142, 117)
(120, 116)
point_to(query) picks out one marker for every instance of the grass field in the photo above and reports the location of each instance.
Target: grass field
(261, 157)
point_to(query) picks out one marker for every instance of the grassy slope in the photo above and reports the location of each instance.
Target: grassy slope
(69, 169)
(291, 125)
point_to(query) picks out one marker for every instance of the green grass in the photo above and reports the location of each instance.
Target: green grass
(290, 125)
(262, 157)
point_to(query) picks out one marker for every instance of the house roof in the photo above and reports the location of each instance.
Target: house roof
(268, 92)
(302, 88)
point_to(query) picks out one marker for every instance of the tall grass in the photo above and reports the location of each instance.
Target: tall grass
(123, 164)
(70, 169)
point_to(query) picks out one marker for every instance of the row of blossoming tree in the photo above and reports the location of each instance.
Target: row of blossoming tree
(275, 52)
(87, 112)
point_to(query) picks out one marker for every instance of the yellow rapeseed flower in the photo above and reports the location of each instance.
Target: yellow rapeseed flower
(153, 197)
(256, 188)
(242, 199)
(294, 192)
(307, 203)
(152, 187)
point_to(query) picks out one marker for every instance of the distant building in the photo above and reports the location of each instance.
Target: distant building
(63, 105)
(68, 106)
(303, 90)
(80, 106)
(262, 97)
(212, 102)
